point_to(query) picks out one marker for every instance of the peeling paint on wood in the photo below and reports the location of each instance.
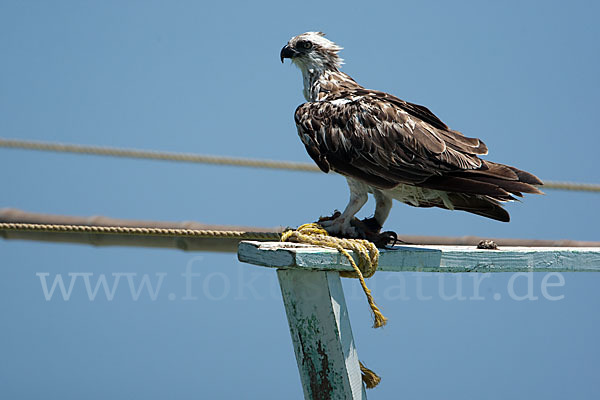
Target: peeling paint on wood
(427, 258)
(316, 308)
(321, 334)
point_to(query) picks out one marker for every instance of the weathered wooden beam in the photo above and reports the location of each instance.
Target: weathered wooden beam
(316, 309)
(425, 258)
(321, 335)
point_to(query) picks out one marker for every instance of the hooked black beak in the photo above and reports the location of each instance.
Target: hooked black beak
(288, 52)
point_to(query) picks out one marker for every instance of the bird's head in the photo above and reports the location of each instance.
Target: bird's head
(312, 51)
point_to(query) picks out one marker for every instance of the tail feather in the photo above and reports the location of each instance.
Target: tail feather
(527, 177)
(475, 204)
(495, 180)
(480, 205)
(482, 191)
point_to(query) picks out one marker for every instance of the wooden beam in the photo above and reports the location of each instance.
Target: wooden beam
(321, 335)
(316, 309)
(425, 258)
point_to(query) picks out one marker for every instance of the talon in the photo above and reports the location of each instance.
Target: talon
(385, 238)
(369, 228)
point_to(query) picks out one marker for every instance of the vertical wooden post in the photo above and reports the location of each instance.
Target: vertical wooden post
(321, 333)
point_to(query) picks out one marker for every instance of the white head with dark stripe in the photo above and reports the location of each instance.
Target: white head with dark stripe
(312, 53)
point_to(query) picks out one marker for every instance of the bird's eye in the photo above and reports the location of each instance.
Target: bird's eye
(305, 44)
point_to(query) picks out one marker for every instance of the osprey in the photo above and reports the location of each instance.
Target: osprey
(391, 148)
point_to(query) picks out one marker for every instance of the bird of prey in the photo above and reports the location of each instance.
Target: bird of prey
(391, 148)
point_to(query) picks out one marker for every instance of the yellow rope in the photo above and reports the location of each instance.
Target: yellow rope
(370, 378)
(309, 233)
(368, 257)
(124, 230)
(216, 160)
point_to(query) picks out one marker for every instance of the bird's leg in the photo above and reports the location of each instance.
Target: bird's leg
(341, 224)
(383, 205)
(370, 228)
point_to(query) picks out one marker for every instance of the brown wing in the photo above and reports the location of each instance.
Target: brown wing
(421, 112)
(384, 141)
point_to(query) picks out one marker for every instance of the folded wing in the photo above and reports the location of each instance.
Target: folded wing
(385, 142)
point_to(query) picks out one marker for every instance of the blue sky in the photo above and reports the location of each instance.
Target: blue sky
(206, 78)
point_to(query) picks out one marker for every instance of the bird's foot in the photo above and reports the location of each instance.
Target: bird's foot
(367, 228)
(338, 226)
(370, 229)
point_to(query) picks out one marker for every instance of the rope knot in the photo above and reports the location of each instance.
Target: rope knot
(368, 257)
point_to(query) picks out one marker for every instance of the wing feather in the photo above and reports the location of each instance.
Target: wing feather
(385, 141)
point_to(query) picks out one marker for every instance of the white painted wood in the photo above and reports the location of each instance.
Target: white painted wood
(298, 255)
(316, 309)
(321, 334)
(426, 258)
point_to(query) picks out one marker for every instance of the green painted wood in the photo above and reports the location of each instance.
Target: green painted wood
(520, 259)
(316, 309)
(297, 255)
(426, 258)
(321, 334)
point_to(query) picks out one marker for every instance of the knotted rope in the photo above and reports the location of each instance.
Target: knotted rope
(368, 258)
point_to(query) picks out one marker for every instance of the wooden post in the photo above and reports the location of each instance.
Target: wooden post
(316, 309)
(321, 334)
